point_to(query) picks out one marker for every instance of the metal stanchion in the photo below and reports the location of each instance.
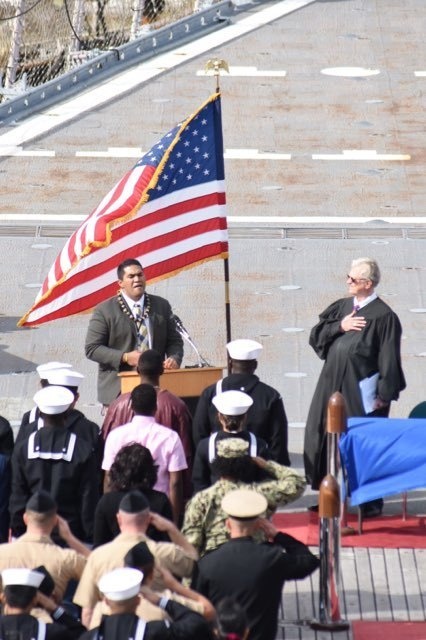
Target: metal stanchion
(336, 425)
(329, 525)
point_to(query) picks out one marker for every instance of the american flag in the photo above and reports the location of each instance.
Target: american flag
(168, 212)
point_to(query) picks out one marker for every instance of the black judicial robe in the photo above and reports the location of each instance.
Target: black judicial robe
(350, 357)
(185, 625)
(266, 418)
(26, 627)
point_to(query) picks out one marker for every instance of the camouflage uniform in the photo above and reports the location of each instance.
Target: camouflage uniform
(204, 522)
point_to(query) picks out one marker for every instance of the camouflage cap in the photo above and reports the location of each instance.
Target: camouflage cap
(232, 448)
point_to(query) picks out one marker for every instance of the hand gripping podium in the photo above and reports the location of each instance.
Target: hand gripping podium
(185, 383)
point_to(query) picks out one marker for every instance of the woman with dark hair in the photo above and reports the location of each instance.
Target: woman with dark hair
(133, 468)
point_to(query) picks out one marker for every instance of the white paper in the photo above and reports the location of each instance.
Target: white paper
(368, 388)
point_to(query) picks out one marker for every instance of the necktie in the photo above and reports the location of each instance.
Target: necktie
(142, 344)
(356, 307)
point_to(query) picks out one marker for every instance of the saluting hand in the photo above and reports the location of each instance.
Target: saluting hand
(160, 523)
(63, 528)
(267, 527)
(168, 578)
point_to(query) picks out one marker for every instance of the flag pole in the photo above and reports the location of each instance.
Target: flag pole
(215, 66)
(227, 300)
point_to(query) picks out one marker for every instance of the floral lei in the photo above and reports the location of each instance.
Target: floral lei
(125, 308)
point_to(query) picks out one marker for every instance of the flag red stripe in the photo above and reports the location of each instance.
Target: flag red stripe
(161, 269)
(146, 220)
(91, 300)
(171, 211)
(139, 249)
(99, 231)
(165, 213)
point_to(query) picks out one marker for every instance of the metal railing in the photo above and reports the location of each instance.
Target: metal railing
(43, 40)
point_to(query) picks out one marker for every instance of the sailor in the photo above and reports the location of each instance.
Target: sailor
(232, 408)
(20, 595)
(43, 371)
(62, 374)
(266, 418)
(121, 590)
(59, 461)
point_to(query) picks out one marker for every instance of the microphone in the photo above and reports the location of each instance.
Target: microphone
(202, 362)
(179, 326)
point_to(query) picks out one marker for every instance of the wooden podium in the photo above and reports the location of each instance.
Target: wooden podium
(185, 383)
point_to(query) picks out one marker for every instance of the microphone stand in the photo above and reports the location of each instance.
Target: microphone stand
(202, 362)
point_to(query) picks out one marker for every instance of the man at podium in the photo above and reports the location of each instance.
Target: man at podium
(124, 326)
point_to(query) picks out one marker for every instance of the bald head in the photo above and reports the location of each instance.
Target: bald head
(133, 522)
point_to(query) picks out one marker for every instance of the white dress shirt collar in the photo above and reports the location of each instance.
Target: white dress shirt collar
(362, 303)
(131, 303)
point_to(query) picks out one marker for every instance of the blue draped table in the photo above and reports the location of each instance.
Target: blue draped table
(383, 456)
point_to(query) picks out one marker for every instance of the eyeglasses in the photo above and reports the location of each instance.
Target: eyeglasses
(356, 280)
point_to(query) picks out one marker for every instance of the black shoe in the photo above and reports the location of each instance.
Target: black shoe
(314, 508)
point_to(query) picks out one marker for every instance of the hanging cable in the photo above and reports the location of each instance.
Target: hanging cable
(18, 15)
(84, 46)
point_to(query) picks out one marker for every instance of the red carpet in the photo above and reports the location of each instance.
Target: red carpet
(365, 630)
(390, 532)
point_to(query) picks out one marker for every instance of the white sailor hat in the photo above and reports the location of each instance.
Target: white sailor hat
(53, 400)
(43, 369)
(232, 403)
(244, 503)
(121, 584)
(244, 349)
(64, 377)
(21, 578)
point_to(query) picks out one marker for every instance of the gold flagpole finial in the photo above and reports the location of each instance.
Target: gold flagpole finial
(213, 67)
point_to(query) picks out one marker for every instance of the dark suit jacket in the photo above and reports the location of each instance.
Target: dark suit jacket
(111, 333)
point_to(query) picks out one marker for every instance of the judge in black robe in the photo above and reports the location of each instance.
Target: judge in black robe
(355, 344)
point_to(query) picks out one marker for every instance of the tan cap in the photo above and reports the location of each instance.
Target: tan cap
(244, 503)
